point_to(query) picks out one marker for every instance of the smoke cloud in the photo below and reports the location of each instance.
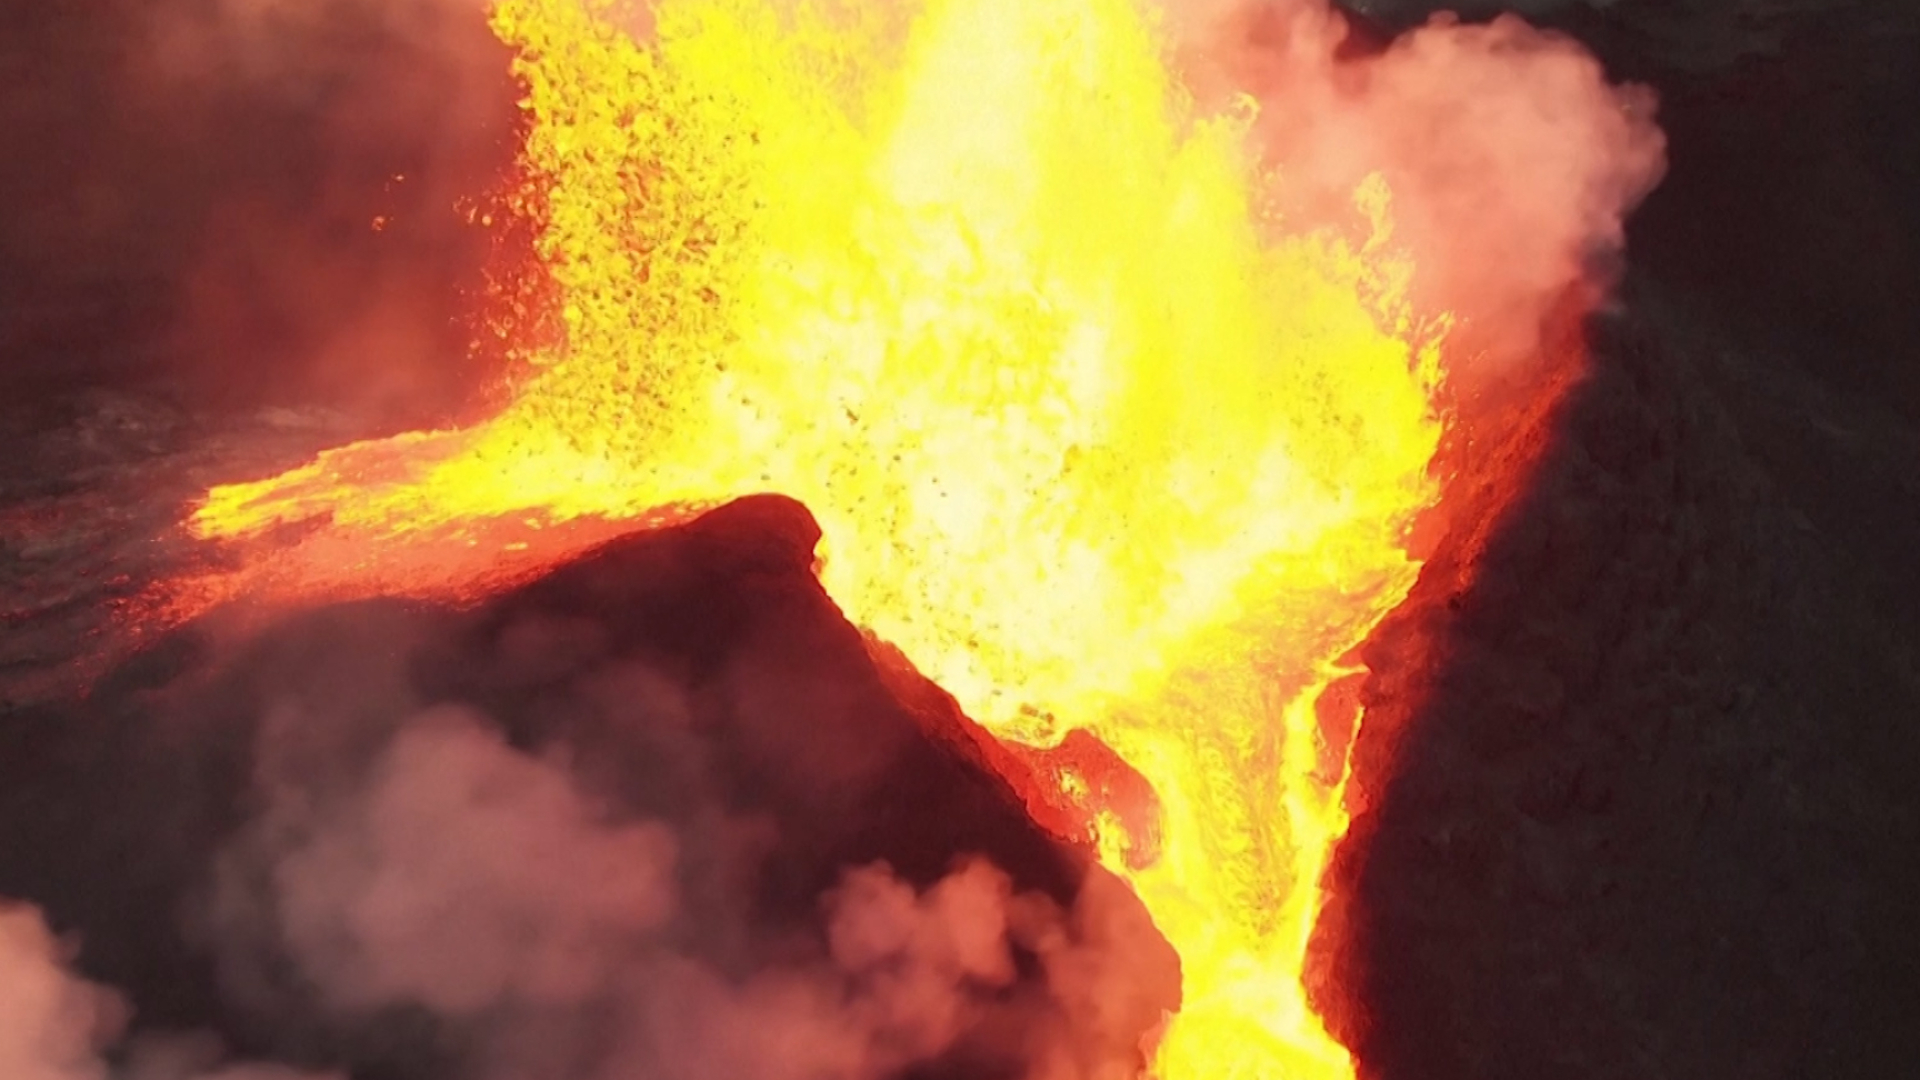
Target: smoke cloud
(655, 814)
(546, 932)
(53, 1024)
(433, 879)
(1512, 160)
(57, 1025)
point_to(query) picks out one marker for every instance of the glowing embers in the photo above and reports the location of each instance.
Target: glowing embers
(1088, 440)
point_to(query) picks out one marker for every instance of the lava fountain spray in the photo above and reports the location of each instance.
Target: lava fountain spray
(1096, 436)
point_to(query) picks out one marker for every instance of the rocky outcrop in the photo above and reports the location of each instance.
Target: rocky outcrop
(673, 751)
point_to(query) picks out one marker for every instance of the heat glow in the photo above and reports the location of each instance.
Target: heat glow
(1094, 437)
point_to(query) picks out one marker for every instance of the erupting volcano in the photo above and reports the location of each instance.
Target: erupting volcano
(1107, 428)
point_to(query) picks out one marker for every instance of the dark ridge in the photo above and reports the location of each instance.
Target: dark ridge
(1637, 777)
(696, 675)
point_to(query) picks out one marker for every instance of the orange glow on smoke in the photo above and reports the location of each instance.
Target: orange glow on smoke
(1094, 439)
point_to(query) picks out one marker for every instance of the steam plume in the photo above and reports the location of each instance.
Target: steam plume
(53, 1024)
(57, 1025)
(1512, 160)
(548, 934)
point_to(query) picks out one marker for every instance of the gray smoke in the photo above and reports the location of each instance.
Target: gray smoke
(57, 1025)
(546, 931)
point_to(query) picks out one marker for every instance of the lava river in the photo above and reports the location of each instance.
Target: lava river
(1097, 437)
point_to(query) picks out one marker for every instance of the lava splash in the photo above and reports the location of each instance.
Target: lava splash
(1095, 436)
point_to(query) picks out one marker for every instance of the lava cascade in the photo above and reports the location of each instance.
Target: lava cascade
(1095, 436)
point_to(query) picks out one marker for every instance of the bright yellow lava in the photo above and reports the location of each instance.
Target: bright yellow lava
(1092, 438)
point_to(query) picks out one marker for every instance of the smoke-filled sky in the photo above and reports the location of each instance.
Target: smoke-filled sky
(482, 885)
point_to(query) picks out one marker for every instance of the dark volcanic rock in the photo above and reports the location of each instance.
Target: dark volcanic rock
(697, 678)
(1638, 769)
(1639, 762)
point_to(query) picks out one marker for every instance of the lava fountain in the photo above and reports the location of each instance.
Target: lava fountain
(1095, 436)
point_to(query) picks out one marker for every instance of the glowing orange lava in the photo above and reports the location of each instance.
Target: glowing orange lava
(1097, 441)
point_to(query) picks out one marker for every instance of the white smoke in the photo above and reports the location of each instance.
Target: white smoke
(459, 876)
(57, 1025)
(53, 1024)
(1513, 161)
(465, 874)
(464, 877)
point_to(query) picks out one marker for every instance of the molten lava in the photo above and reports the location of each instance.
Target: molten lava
(1097, 439)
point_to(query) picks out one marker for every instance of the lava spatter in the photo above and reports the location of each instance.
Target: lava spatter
(1093, 439)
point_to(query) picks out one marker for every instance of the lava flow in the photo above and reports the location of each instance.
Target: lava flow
(1096, 437)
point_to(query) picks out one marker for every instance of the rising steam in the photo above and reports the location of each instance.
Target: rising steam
(1512, 159)
(549, 935)
(478, 885)
(53, 1024)
(655, 815)
(57, 1025)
